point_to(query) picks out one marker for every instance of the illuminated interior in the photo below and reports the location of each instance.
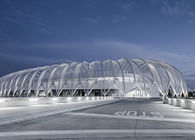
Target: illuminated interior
(123, 77)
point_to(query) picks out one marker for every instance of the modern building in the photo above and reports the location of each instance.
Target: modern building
(130, 78)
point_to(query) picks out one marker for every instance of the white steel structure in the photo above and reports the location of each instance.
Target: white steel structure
(130, 78)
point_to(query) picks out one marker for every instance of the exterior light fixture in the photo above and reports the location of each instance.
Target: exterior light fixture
(69, 98)
(2, 100)
(33, 99)
(55, 99)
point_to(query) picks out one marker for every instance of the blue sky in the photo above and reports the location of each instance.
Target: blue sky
(42, 32)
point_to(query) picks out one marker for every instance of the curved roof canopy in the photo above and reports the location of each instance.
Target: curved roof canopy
(122, 77)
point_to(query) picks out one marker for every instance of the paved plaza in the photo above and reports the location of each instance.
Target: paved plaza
(97, 119)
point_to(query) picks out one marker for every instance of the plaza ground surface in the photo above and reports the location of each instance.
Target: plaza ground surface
(105, 119)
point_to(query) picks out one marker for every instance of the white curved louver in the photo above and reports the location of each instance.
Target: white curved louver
(122, 77)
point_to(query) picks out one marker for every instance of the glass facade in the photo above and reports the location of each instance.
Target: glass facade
(123, 77)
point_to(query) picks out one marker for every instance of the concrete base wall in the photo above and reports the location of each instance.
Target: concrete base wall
(183, 103)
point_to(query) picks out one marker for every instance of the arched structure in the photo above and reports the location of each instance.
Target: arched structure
(123, 77)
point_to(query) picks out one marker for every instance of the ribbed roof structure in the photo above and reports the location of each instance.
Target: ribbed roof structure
(122, 77)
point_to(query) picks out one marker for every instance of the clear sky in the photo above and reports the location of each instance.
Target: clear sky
(42, 32)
